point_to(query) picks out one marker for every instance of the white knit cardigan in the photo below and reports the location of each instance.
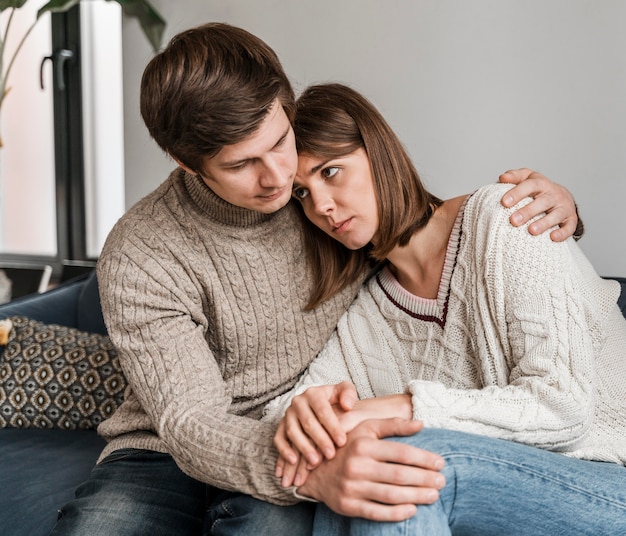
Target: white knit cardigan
(524, 342)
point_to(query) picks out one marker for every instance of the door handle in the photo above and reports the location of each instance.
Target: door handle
(58, 59)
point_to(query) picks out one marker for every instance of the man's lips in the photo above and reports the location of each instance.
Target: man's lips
(275, 195)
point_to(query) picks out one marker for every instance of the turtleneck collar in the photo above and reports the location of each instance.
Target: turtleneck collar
(216, 208)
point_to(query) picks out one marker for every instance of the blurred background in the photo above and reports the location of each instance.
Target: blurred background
(472, 87)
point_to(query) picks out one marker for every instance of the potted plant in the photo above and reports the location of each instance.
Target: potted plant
(150, 20)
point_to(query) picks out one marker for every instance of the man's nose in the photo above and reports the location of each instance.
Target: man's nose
(274, 173)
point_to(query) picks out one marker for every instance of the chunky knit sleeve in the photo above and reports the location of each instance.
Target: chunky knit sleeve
(538, 323)
(176, 381)
(362, 350)
(328, 368)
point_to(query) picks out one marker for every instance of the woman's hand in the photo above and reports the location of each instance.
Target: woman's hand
(295, 470)
(549, 198)
(310, 425)
(295, 474)
(383, 407)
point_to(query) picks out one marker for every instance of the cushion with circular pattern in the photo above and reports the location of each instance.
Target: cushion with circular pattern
(54, 376)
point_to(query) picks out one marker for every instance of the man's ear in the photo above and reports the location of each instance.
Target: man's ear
(187, 169)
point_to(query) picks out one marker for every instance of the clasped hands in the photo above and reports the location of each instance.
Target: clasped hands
(332, 446)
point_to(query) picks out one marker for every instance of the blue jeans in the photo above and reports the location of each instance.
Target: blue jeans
(136, 493)
(496, 487)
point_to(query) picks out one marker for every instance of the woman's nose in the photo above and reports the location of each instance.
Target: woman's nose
(323, 203)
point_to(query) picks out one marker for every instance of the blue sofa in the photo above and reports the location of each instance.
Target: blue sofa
(39, 468)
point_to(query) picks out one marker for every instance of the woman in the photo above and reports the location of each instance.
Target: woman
(470, 325)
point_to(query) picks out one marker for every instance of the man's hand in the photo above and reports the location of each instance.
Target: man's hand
(548, 197)
(384, 407)
(377, 479)
(311, 425)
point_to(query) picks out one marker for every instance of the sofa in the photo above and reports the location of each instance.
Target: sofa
(41, 467)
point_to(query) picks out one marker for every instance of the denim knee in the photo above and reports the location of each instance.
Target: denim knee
(236, 514)
(135, 492)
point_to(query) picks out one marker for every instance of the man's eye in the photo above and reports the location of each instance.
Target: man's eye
(330, 172)
(299, 193)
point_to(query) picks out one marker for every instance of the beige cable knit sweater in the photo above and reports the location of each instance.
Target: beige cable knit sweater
(204, 302)
(525, 341)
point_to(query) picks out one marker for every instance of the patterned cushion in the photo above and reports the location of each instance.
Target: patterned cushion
(54, 376)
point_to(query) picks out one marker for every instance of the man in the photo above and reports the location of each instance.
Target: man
(203, 286)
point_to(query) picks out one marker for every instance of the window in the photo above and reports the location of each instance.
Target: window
(61, 169)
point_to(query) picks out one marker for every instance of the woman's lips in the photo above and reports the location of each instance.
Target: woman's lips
(342, 226)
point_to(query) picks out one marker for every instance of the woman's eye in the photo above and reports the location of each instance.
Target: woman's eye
(330, 172)
(299, 193)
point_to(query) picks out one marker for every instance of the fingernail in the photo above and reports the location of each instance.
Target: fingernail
(516, 218)
(440, 481)
(328, 453)
(433, 495)
(297, 481)
(439, 464)
(508, 200)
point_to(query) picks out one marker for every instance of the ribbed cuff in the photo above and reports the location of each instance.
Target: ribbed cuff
(294, 490)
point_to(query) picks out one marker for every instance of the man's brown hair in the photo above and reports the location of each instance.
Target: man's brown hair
(333, 120)
(211, 86)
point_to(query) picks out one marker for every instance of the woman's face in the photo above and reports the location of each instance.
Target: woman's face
(338, 196)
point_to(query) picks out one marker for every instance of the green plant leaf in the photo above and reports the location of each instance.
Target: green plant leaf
(57, 6)
(6, 4)
(149, 18)
(152, 24)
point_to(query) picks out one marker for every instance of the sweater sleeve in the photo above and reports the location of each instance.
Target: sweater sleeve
(329, 367)
(362, 350)
(535, 333)
(176, 381)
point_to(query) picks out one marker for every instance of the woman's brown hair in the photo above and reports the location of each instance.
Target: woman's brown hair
(333, 120)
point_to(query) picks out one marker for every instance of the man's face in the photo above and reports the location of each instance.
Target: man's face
(257, 173)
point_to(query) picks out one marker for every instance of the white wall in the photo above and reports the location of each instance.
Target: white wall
(472, 87)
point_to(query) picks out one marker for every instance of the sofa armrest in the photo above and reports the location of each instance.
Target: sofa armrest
(75, 304)
(621, 302)
(88, 309)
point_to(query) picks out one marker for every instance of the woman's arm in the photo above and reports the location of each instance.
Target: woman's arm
(537, 347)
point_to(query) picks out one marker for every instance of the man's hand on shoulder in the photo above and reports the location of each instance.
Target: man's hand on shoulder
(549, 198)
